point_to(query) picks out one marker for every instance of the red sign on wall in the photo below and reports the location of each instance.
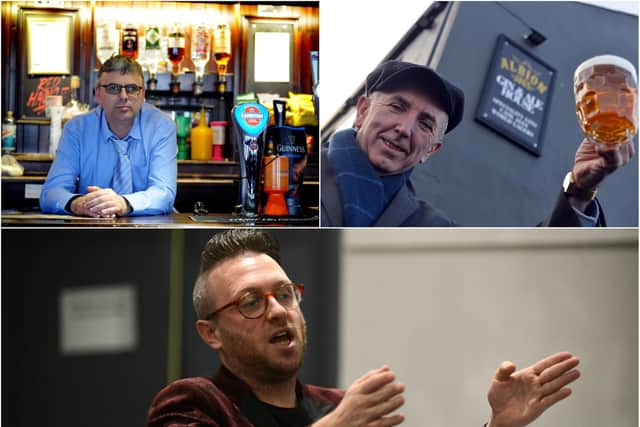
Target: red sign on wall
(35, 92)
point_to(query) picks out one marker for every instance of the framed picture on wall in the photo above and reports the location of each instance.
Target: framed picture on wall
(271, 49)
(43, 31)
(47, 51)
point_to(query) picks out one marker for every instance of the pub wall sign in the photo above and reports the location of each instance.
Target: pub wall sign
(516, 95)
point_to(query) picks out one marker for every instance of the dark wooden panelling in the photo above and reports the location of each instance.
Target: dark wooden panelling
(44, 386)
(29, 139)
(43, 139)
(8, 57)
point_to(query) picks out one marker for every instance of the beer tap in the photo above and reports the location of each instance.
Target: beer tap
(250, 120)
(315, 62)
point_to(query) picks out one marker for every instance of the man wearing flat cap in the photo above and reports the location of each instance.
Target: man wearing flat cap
(400, 122)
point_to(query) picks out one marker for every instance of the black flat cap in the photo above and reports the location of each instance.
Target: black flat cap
(393, 74)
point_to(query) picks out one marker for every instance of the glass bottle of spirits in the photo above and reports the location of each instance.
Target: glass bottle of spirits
(130, 41)
(164, 65)
(200, 48)
(106, 40)
(175, 48)
(142, 55)
(222, 48)
(8, 134)
(153, 52)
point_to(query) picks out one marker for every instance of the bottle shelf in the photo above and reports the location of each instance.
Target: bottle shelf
(187, 78)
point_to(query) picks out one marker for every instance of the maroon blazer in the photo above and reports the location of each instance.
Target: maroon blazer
(225, 400)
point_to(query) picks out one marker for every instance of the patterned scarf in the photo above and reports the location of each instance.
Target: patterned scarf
(365, 194)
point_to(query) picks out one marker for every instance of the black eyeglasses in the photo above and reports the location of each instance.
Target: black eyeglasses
(115, 89)
(253, 304)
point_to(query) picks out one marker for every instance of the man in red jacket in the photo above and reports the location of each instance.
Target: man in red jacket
(249, 313)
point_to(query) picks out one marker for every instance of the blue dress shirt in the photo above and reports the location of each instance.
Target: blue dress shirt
(86, 156)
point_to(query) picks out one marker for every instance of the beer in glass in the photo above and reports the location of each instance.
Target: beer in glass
(606, 89)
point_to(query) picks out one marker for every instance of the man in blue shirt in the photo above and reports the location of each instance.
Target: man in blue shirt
(120, 158)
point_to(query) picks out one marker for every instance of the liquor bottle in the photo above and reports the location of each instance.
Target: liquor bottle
(175, 48)
(8, 134)
(130, 41)
(142, 55)
(222, 47)
(106, 40)
(153, 52)
(200, 48)
(164, 64)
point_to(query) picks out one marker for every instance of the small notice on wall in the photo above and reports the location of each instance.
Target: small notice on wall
(516, 95)
(98, 319)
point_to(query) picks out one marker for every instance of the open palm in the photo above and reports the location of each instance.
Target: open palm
(518, 398)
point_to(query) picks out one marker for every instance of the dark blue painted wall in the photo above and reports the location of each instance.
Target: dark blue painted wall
(480, 178)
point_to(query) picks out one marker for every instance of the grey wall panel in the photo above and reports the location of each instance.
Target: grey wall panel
(443, 308)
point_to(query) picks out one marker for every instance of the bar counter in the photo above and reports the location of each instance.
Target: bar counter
(214, 184)
(174, 220)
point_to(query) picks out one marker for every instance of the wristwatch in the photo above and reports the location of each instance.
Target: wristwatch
(571, 189)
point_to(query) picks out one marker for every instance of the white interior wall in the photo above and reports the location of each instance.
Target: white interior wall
(444, 307)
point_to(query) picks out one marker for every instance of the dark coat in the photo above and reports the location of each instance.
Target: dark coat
(226, 401)
(406, 210)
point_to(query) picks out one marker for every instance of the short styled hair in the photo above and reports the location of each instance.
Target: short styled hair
(123, 64)
(223, 246)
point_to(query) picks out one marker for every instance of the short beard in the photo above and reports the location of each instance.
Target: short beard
(256, 365)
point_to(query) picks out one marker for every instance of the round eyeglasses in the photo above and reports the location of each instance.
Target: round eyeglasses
(253, 304)
(116, 89)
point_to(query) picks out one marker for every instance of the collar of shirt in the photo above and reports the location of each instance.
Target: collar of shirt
(107, 136)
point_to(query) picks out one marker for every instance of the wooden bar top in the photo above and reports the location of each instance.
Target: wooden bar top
(174, 220)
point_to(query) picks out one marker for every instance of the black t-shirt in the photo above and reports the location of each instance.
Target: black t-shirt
(289, 417)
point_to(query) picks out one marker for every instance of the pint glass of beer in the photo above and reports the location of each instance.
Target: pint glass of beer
(606, 92)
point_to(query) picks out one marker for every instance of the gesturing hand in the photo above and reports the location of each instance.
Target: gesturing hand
(518, 398)
(368, 402)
